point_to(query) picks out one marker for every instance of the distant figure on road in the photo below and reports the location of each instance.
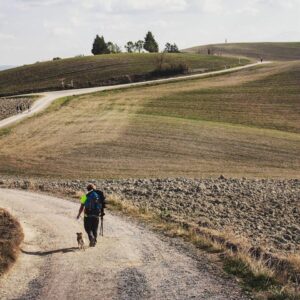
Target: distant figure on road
(261, 59)
(93, 204)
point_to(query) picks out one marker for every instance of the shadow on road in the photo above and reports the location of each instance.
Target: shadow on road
(44, 253)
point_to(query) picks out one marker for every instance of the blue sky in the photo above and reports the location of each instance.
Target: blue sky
(36, 30)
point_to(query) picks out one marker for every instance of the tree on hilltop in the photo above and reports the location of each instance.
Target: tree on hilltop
(110, 47)
(129, 47)
(99, 46)
(139, 45)
(117, 48)
(150, 43)
(113, 48)
(171, 48)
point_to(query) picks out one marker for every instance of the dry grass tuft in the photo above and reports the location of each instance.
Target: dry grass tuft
(11, 236)
(294, 259)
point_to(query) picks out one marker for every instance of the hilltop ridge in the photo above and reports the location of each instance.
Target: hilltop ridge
(267, 50)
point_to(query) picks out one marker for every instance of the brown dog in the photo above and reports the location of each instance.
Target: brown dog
(80, 241)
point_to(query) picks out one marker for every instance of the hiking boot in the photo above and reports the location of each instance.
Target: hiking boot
(92, 243)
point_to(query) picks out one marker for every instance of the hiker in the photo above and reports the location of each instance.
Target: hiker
(93, 204)
(261, 59)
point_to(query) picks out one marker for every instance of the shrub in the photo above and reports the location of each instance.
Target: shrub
(168, 69)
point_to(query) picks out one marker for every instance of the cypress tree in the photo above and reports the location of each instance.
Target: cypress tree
(150, 44)
(99, 46)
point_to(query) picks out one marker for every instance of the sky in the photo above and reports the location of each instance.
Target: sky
(37, 30)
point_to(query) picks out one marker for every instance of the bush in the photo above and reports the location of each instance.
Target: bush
(167, 69)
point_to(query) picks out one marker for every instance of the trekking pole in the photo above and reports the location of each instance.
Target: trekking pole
(101, 226)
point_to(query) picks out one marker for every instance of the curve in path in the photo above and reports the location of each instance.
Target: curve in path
(48, 97)
(129, 262)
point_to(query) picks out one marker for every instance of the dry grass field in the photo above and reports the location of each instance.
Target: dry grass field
(269, 51)
(100, 70)
(242, 124)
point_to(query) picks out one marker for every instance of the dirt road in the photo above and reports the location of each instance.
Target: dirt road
(129, 262)
(48, 97)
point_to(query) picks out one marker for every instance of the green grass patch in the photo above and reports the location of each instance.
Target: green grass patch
(58, 104)
(5, 131)
(236, 266)
(263, 103)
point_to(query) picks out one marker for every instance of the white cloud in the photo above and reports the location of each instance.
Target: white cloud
(57, 30)
(6, 37)
(163, 5)
(211, 6)
(29, 3)
(129, 6)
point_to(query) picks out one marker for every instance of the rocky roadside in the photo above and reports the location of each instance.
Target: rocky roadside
(266, 212)
(12, 106)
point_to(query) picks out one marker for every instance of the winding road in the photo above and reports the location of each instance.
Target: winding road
(129, 262)
(48, 97)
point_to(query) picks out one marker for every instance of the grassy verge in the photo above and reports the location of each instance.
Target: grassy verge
(254, 274)
(11, 236)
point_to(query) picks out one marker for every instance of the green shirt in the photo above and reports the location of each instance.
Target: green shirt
(83, 199)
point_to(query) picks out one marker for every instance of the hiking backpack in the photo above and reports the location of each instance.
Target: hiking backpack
(93, 204)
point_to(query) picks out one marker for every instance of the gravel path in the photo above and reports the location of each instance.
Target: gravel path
(48, 97)
(128, 263)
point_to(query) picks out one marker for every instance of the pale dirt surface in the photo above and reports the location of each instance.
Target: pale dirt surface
(48, 97)
(129, 262)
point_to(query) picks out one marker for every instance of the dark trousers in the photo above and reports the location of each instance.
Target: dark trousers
(91, 227)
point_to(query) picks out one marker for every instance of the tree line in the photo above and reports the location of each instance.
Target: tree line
(149, 44)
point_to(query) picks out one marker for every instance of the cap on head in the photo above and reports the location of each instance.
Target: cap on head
(90, 187)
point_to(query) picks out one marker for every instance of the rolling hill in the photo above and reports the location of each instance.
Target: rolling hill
(5, 67)
(269, 51)
(234, 124)
(100, 70)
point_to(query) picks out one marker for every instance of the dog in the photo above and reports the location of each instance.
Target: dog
(80, 241)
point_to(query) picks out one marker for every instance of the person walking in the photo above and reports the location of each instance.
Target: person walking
(93, 204)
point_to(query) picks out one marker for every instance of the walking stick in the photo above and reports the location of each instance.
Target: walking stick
(101, 227)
